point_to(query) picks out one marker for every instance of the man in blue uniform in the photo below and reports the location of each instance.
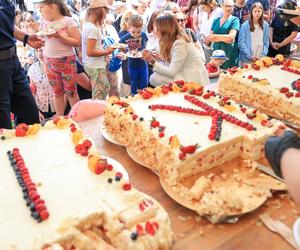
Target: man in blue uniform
(15, 94)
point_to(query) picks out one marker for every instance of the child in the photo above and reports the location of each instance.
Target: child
(40, 87)
(93, 53)
(59, 54)
(136, 41)
(216, 60)
(253, 39)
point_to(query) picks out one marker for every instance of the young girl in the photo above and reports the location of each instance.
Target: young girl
(40, 87)
(93, 53)
(59, 54)
(253, 44)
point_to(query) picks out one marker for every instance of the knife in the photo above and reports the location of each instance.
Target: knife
(268, 171)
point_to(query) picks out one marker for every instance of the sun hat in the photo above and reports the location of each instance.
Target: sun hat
(93, 4)
(219, 54)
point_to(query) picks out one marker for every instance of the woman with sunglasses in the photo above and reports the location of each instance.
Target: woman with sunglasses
(182, 19)
(182, 61)
(223, 33)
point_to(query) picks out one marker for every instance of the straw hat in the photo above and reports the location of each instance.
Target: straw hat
(93, 4)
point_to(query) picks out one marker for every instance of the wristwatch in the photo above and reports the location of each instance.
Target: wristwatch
(152, 62)
(25, 40)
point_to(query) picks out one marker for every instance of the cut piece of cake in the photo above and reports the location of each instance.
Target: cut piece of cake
(271, 85)
(58, 192)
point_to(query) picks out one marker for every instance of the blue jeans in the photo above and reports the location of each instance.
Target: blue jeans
(138, 78)
(15, 95)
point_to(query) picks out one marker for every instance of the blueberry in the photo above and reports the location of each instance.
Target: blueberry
(25, 195)
(8, 152)
(109, 180)
(32, 207)
(117, 178)
(2, 137)
(28, 202)
(134, 236)
(141, 119)
(35, 215)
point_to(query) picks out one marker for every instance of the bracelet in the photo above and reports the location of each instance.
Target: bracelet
(152, 62)
(25, 40)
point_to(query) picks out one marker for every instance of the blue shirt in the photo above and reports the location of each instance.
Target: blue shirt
(264, 3)
(7, 23)
(133, 43)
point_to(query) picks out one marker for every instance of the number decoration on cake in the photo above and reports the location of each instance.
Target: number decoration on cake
(29, 189)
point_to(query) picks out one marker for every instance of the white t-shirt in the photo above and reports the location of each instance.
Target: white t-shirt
(207, 22)
(91, 31)
(257, 37)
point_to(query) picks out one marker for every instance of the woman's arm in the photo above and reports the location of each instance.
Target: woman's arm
(288, 40)
(273, 45)
(230, 38)
(92, 51)
(179, 54)
(290, 171)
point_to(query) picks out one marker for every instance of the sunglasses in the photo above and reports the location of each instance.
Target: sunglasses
(180, 20)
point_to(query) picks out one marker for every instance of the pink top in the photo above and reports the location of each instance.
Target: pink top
(54, 47)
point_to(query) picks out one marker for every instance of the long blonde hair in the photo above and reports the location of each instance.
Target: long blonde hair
(169, 31)
(125, 19)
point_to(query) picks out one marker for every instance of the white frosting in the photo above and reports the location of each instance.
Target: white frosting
(191, 129)
(67, 186)
(277, 78)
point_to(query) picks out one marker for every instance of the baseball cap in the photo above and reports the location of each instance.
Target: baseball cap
(219, 54)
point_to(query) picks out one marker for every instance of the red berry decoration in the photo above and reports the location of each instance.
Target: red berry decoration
(250, 77)
(126, 187)
(154, 123)
(147, 94)
(134, 117)
(149, 228)
(284, 90)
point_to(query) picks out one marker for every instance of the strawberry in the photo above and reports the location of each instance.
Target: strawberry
(182, 156)
(199, 91)
(297, 94)
(154, 123)
(250, 77)
(284, 90)
(287, 62)
(161, 134)
(134, 117)
(87, 144)
(109, 167)
(126, 187)
(44, 215)
(100, 168)
(56, 119)
(149, 228)
(189, 149)
(165, 90)
(180, 82)
(255, 66)
(289, 94)
(246, 66)
(139, 229)
(73, 129)
(147, 95)
(206, 96)
(20, 133)
(79, 148)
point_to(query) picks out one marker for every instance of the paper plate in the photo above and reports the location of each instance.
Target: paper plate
(46, 32)
(139, 161)
(296, 231)
(117, 166)
(119, 46)
(109, 137)
(254, 194)
(139, 54)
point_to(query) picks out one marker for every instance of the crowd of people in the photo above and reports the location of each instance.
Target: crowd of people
(162, 40)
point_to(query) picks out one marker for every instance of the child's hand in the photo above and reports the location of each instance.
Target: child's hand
(110, 50)
(148, 57)
(121, 56)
